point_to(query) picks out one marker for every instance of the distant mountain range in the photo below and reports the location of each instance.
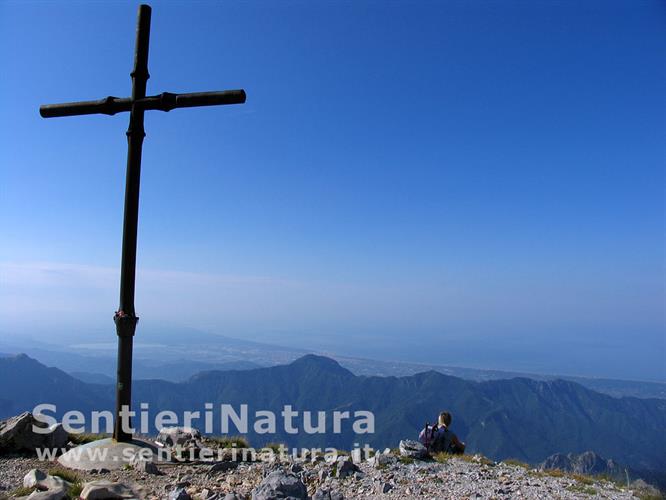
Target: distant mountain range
(176, 354)
(519, 418)
(173, 372)
(25, 382)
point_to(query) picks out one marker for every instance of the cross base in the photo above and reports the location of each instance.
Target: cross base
(107, 454)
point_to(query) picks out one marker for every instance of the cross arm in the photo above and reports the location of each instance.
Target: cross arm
(165, 101)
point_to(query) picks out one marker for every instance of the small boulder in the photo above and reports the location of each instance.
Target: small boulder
(412, 449)
(234, 496)
(17, 434)
(380, 461)
(178, 436)
(53, 483)
(207, 494)
(222, 467)
(179, 494)
(44, 482)
(142, 465)
(33, 478)
(345, 467)
(182, 483)
(326, 494)
(55, 494)
(280, 484)
(105, 490)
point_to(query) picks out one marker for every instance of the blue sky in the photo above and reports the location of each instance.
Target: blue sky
(473, 183)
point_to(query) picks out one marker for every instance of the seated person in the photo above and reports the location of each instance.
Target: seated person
(440, 439)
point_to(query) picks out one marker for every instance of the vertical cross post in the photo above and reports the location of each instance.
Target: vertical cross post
(125, 318)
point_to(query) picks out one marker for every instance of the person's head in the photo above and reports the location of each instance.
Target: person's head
(445, 419)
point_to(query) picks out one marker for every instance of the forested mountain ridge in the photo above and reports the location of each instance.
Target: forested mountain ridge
(518, 418)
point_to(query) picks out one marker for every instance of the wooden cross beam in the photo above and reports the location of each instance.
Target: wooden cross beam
(125, 317)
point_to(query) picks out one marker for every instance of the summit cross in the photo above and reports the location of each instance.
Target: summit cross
(125, 317)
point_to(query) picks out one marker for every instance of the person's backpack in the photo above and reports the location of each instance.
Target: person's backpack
(443, 441)
(427, 435)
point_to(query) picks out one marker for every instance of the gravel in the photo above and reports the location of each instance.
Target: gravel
(456, 478)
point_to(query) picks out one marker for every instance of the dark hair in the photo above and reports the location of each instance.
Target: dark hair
(445, 418)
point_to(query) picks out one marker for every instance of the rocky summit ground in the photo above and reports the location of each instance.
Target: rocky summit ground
(408, 471)
(390, 477)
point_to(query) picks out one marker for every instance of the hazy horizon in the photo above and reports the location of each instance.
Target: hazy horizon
(434, 182)
(462, 352)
